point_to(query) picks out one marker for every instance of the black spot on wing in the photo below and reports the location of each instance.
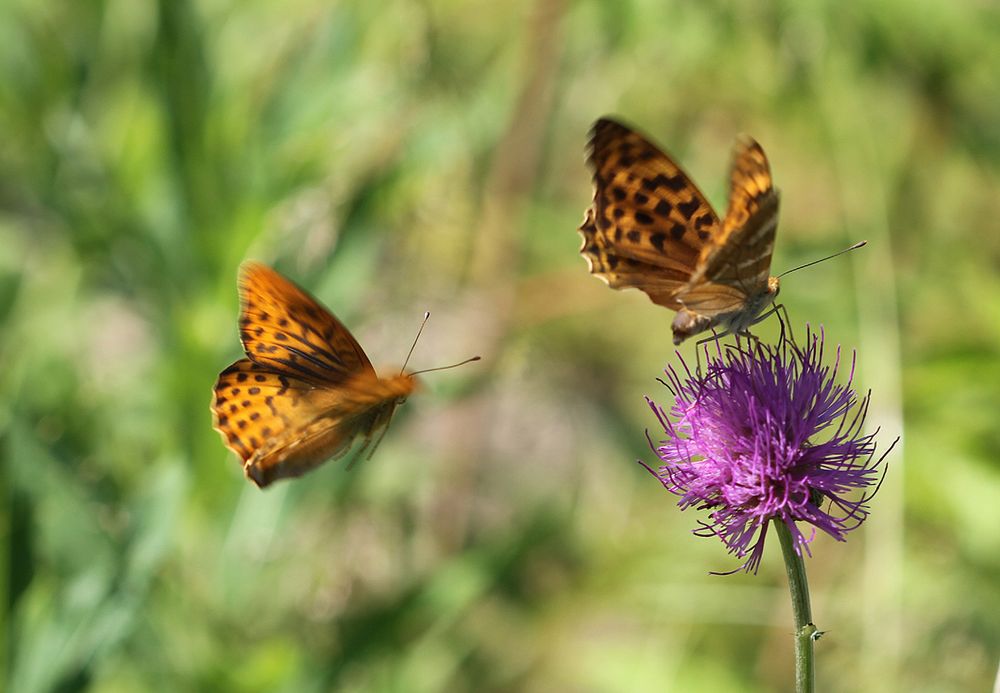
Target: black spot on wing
(703, 220)
(689, 208)
(674, 183)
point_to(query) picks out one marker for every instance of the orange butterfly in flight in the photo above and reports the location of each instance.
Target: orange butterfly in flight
(306, 389)
(649, 227)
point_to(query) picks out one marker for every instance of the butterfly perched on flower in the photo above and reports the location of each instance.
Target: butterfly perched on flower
(305, 390)
(650, 228)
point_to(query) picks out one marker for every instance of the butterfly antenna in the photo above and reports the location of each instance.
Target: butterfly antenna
(444, 368)
(859, 244)
(413, 346)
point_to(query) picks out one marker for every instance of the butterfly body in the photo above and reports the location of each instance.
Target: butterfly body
(687, 323)
(305, 391)
(650, 228)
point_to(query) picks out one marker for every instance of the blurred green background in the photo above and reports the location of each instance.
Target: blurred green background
(401, 156)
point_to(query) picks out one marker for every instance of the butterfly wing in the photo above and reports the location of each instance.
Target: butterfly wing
(648, 223)
(288, 331)
(737, 263)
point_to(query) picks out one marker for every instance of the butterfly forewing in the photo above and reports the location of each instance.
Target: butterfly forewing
(648, 221)
(644, 204)
(750, 184)
(285, 328)
(741, 256)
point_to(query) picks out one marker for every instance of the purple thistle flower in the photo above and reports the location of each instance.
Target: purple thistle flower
(766, 433)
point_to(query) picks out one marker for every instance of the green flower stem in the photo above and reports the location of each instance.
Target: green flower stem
(805, 632)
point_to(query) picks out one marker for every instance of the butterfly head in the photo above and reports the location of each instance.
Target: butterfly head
(399, 387)
(773, 287)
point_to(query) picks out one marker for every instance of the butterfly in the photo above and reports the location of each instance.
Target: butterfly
(305, 390)
(650, 228)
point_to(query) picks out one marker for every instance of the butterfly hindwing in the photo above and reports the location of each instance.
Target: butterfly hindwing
(255, 407)
(281, 426)
(361, 407)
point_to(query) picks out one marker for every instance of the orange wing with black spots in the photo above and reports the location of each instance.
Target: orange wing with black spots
(283, 327)
(649, 227)
(741, 254)
(644, 205)
(305, 391)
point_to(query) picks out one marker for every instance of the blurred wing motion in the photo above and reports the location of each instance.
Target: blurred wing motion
(650, 228)
(306, 389)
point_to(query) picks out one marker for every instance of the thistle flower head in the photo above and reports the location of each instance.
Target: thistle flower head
(767, 433)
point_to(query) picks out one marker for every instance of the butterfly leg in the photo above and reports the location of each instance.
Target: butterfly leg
(749, 337)
(385, 430)
(783, 320)
(697, 348)
(359, 453)
(786, 323)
